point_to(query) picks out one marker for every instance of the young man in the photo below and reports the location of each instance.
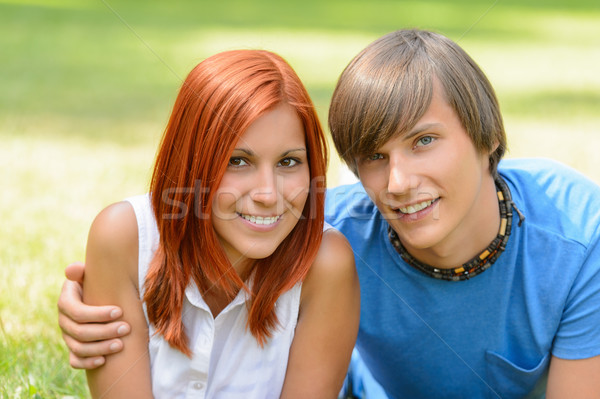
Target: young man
(479, 278)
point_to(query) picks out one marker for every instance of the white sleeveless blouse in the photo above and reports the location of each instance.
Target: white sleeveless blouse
(227, 363)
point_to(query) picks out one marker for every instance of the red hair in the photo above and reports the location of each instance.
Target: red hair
(217, 102)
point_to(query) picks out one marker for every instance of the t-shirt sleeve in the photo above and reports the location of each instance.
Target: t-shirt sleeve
(578, 335)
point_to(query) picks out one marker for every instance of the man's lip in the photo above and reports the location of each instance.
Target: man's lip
(397, 208)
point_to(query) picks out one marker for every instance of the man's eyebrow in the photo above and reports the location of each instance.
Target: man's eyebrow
(420, 129)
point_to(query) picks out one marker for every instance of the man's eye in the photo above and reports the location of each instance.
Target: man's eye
(425, 140)
(374, 157)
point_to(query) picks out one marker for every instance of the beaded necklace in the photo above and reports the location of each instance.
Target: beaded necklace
(480, 262)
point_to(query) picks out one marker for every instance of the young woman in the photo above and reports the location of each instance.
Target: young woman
(224, 272)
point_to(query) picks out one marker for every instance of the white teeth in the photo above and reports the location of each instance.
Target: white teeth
(261, 220)
(416, 207)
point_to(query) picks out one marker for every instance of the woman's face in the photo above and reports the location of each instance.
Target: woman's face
(265, 187)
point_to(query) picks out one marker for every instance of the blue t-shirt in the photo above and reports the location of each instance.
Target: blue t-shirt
(491, 336)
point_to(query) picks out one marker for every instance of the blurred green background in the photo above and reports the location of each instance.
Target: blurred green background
(86, 88)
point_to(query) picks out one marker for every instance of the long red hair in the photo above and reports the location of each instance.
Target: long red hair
(217, 102)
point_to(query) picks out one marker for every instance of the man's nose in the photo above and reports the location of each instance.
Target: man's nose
(400, 179)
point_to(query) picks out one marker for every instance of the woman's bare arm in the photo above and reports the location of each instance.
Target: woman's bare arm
(327, 323)
(88, 331)
(111, 278)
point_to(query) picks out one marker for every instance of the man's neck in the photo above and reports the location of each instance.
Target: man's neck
(470, 238)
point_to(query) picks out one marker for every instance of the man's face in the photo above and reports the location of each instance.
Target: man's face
(428, 184)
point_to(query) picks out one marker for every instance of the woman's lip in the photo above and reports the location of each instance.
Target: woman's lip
(260, 219)
(260, 223)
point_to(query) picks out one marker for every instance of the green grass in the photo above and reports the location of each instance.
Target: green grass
(87, 87)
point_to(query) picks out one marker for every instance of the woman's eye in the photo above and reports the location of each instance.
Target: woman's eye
(425, 140)
(288, 162)
(236, 161)
(374, 157)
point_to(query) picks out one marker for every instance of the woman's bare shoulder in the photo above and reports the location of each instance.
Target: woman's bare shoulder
(113, 240)
(334, 265)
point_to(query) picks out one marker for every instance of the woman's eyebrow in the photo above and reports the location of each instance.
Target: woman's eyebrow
(251, 153)
(293, 150)
(245, 151)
